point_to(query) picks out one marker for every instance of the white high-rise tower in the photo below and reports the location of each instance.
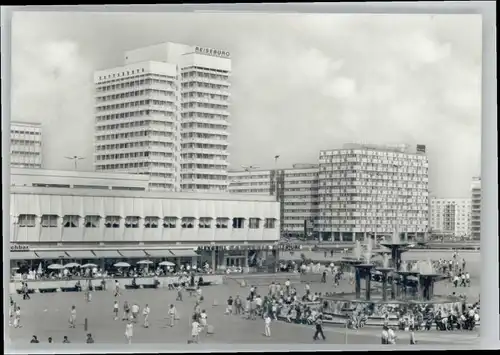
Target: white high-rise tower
(165, 113)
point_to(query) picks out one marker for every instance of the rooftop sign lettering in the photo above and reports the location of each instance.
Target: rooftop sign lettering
(212, 52)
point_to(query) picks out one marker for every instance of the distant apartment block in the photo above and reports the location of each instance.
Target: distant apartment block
(25, 145)
(450, 217)
(475, 224)
(373, 190)
(296, 189)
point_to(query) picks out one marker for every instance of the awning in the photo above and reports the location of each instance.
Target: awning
(23, 255)
(80, 254)
(179, 253)
(51, 255)
(133, 253)
(107, 254)
(161, 253)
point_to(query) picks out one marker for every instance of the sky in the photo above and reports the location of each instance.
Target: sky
(300, 83)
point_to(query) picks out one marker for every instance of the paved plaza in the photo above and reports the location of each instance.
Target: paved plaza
(46, 315)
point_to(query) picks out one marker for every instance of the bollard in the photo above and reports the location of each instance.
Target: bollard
(86, 325)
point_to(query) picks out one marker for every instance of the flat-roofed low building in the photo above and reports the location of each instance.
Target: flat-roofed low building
(108, 223)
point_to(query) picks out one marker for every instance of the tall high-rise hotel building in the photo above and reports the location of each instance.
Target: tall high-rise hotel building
(165, 113)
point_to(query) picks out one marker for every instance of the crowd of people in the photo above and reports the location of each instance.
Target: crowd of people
(26, 273)
(282, 302)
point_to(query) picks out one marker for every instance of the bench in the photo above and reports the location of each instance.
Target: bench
(139, 286)
(69, 289)
(20, 291)
(48, 290)
(150, 286)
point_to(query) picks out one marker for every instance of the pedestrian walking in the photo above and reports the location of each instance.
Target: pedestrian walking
(72, 317)
(126, 311)
(129, 331)
(203, 320)
(392, 336)
(412, 336)
(116, 307)
(385, 335)
(171, 314)
(267, 325)
(135, 312)
(117, 289)
(145, 314)
(17, 318)
(319, 328)
(179, 293)
(195, 331)
(89, 340)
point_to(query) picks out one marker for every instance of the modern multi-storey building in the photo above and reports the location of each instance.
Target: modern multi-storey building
(25, 145)
(373, 190)
(475, 223)
(450, 217)
(296, 190)
(165, 114)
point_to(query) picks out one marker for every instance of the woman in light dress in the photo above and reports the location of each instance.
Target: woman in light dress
(195, 331)
(203, 319)
(72, 317)
(17, 317)
(267, 325)
(129, 331)
(145, 313)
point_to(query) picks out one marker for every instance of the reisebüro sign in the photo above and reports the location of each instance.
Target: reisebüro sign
(212, 52)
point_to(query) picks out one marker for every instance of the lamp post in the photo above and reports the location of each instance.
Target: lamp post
(276, 157)
(75, 159)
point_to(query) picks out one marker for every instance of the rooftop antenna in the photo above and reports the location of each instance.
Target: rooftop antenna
(249, 168)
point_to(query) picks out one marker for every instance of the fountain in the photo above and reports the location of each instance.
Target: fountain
(404, 273)
(397, 247)
(428, 276)
(363, 270)
(385, 270)
(409, 285)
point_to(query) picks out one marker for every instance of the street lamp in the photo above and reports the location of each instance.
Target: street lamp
(75, 159)
(276, 157)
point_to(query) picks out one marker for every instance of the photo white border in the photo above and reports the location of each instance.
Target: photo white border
(489, 331)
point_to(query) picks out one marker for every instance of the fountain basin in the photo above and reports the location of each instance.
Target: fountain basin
(408, 273)
(385, 269)
(365, 266)
(340, 306)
